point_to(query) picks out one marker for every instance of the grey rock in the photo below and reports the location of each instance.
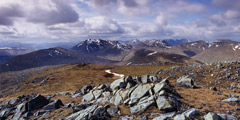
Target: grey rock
(227, 117)
(77, 95)
(53, 105)
(103, 100)
(37, 102)
(127, 117)
(142, 118)
(232, 100)
(212, 116)
(6, 112)
(88, 97)
(68, 105)
(27, 115)
(21, 109)
(164, 116)
(65, 94)
(115, 85)
(86, 89)
(185, 81)
(117, 99)
(97, 93)
(143, 104)
(145, 79)
(139, 92)
(112, 110)
(42, 112)
(83, 114)
(158, 87)
(80, 106)
(167, 103)
(189, 114)
(154, 79)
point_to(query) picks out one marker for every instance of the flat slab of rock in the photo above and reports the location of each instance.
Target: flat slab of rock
(139, 92)
(143, 104)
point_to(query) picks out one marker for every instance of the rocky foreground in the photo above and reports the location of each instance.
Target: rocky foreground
(145, 97)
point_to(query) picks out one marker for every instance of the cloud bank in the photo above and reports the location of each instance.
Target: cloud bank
(36, 21)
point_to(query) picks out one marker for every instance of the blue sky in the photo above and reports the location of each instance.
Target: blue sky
(40, 21)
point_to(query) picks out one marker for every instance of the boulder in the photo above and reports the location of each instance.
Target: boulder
(164, 116)
(185, 81)
(127, 117)
(143, 104)
(97, 93)
(139, 92)
(21, 109)
(86, 89)
(99, 113)
(189, 114)
(77, 93)
(212, 116)
(154, 79)
(80, 106)
(6, 112)
(83, 114)
(38, 102)
(142, 118)
(112, 110)
(116, 84)
(53, 105)
(145, 79)
(158, 87)
(227, 117)
(117, 99)
(103, 100)
(232, 99)
(42, 112)
(88, 97)
(167, 103)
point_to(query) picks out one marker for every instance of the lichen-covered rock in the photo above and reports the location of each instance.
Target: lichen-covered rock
(86, 89)
(164, 116)
(189, 114)
(145, 79)
(117, 99)
(83, 114)
(232, 99)
(53, 105)
(167, 103)
(139, 92)
(116, 84)
(212, 116)
(185, 81)
(97, 93)
(227, 117)
(88, 97)
(143, 104)
(112, 110)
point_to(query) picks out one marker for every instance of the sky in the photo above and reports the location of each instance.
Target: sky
(52, 21)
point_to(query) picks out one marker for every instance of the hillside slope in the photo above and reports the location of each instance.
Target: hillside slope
(144, 56)
(220, 51)
(51, 56)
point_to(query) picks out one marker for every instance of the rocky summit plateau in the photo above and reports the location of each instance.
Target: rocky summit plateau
(166, 91)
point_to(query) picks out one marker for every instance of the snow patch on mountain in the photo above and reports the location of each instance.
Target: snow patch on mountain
(155, 52)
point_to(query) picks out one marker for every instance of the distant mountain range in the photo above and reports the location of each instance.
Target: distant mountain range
(8, 52)
(98, 51)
